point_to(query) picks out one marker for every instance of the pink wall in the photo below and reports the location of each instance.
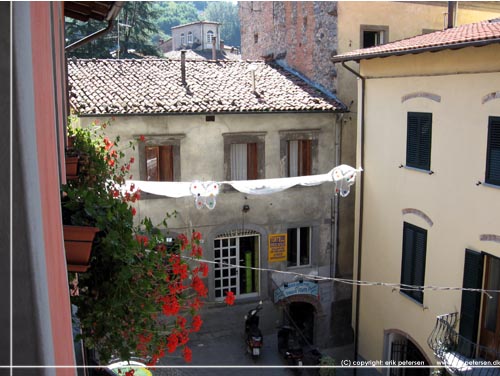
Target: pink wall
(49, 108)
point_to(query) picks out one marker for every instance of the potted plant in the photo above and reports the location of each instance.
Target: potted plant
(140, 295)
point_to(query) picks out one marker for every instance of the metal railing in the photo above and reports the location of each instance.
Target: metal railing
(459, 355)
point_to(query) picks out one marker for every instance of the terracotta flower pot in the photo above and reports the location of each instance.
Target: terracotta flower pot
(71, 168)
(78, 244)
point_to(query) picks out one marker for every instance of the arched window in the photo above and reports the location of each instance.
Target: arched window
(190, 37)
(183, 41)
(210, 35)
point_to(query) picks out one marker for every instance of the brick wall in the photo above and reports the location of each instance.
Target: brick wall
(303, 34)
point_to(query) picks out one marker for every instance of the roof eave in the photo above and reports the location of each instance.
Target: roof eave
(336, 111)
(456, 46)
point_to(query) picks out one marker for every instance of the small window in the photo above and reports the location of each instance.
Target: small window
(256, 38)
(244, 161)
(160, 163)
(299, 157)
(190, 38)
(244, 155)
(210, 36)
(372, 38)
(373, 35)
(413, 260)
(159, 158)
(183, 39)
(418, 140)
(299, 246)
(493, 152)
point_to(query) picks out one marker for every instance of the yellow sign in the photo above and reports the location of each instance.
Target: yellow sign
(277, 247)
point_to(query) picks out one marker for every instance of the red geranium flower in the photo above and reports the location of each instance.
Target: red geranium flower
(196, 323)
(229, 298)
(142, 138)
(188, 355)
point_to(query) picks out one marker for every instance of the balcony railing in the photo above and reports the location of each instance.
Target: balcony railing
(459, 355)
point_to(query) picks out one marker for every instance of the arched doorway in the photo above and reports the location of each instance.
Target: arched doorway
(301, 315)
(402, 350)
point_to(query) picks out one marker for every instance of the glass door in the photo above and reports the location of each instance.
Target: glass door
(237, 260)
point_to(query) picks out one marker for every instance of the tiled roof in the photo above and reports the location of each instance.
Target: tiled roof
(154, 86)
(476, 34)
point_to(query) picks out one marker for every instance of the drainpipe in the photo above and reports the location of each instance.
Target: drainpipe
(335, 202)
(360, 186)
(452, 14)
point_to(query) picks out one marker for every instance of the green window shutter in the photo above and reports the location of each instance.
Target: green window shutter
(413, 260)
(493, 152)
(471, 301)
(418, 140)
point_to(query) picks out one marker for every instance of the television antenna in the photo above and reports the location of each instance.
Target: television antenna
(118, 24)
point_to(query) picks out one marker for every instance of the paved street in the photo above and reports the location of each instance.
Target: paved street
(220, 343)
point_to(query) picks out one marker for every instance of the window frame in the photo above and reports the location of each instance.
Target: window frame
(257, 138)
(298, 247)
(493, 121)
(183, 39)
(409, 258)
(190, 37)
(173, 140)
(311, 135)
(417, 145)
(210, 36)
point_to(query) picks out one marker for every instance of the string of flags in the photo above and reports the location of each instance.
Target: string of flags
(205, 192)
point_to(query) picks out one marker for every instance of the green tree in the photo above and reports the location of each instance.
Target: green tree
(226, 13)
(174, 14)
(139, 15)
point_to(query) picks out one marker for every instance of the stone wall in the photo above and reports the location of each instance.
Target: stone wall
(301, 34)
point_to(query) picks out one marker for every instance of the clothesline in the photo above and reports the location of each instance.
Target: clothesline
(205, 192)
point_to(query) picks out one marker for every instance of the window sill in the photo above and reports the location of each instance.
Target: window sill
(488, 185)
(421, 304)
(428, 172)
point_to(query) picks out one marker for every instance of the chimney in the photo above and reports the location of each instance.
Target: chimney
(452, 14)
(183, 67)
(214, 51)
(221, 45)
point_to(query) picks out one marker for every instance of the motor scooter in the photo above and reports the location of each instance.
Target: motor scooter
(289, 346)
(253, 336)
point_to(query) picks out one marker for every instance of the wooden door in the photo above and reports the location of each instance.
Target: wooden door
(490, 323)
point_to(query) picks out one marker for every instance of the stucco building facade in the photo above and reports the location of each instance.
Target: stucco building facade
(222, 115)
(428, 200)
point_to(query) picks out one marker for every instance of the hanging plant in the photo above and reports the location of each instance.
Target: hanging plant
(141, 294)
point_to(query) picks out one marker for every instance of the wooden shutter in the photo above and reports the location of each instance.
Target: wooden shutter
(418, 140)
(152, 163)
(166, 158)
(493, 152)
(471, 301)
(304, 157)
(252, 162)
(413, 259)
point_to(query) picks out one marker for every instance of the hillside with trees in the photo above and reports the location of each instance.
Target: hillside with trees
(141, 24)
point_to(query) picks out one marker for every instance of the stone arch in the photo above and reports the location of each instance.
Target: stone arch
(418, 213)
(490, 97)
(303, 298)
(402, 334)
(421, 94)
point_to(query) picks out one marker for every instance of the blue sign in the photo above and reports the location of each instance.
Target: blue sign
(296, 288)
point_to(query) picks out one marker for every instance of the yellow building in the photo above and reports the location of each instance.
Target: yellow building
(428, 203)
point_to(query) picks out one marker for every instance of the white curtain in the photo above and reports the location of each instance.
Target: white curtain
(238, 161)
(293, 158)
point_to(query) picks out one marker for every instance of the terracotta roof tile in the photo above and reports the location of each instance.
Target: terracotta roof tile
(484, 32)
(153, 86)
